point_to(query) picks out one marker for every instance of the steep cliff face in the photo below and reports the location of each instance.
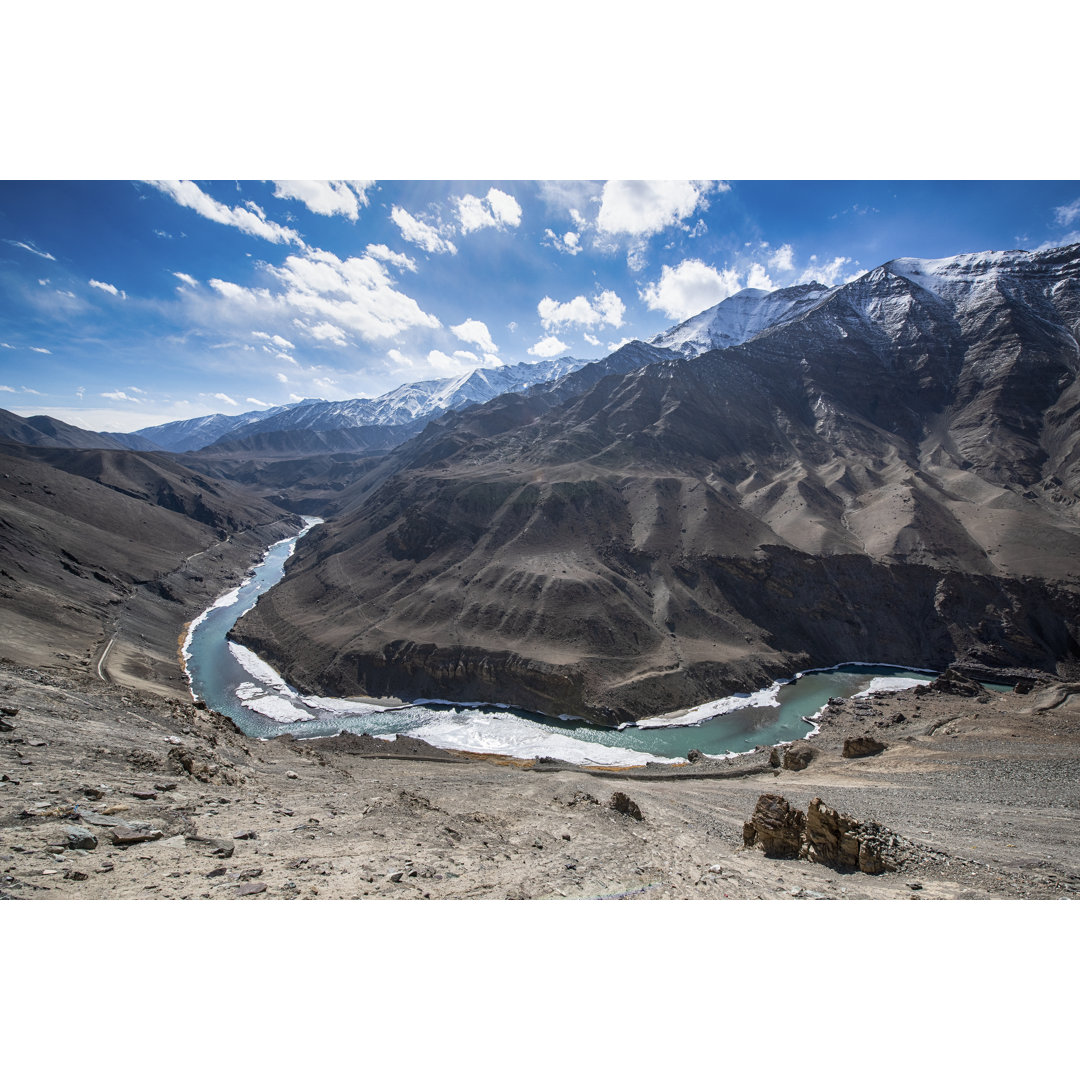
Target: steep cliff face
(890, 474)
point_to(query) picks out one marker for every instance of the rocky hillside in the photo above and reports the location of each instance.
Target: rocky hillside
(95, 540)
(891, 475)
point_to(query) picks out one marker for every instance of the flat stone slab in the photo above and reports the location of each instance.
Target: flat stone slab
(122, 837)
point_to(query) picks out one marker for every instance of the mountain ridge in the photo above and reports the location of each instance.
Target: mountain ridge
(898, 464)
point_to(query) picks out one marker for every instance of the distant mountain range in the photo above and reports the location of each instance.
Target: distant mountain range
(397, 408)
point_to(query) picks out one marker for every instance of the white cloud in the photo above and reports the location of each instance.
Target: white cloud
(644, 207)
(495, 210)
(225, 397)
(31, 248)
(605, 309)
(782, 258)
(828, 274)
(613, 345)
(119, 395)
(689, 288)
(277, 339)
(572, 197)
(464, 354)
(8, 389)
(569, 242)
(355, 293)
(549, 346)
(326, 197)
(758, 278)
(505, 207)
(446, 365)
(104, 286)
(256, 401)
(384, 254)
(637, 257)
(591, 340)
(417, 232)
(477, 333)
(187, 279)
(1066, 215)
(251, 220)
(38, 348)
(324, 331)
(281, 377)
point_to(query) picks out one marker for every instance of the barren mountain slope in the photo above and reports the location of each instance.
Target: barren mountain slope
(95, 543)
(890, 476)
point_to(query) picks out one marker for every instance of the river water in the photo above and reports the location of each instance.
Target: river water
(234, 681)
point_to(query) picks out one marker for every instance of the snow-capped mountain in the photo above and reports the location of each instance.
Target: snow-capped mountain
(738, 318)
(415, 400)
(181, 435)
(403, 405)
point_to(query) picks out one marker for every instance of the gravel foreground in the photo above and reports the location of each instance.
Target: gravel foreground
(113, 792)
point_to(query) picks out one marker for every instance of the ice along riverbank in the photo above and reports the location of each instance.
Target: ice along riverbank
(233, 680)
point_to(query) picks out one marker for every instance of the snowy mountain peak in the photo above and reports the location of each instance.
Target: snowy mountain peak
(738, 318)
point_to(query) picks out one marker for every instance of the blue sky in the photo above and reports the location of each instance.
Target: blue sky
(125, 304)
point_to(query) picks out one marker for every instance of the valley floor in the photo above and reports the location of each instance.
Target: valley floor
(985, 788)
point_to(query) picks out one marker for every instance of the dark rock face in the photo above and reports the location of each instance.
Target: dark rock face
(839, 841)
(775, 827)
(952, 682)
(862, 746)
(798, 756)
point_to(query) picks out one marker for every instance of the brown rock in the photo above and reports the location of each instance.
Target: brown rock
(775, 827)
(862, 746)
(798, 755)
(952, 682)
(122, 837)
(840, 841)
(774, 757)
(625, 805)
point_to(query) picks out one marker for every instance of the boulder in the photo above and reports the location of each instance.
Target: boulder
(774, 757)
(862, 746)
(695, 756)
(624, 805)
(775, 827)
(80, 838)
(798, 755)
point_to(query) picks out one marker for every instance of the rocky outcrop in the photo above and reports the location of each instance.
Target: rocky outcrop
(838, 840)
(798, 756)
(822, 835)
(862, 746)
(952, 682)
(776, 828)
